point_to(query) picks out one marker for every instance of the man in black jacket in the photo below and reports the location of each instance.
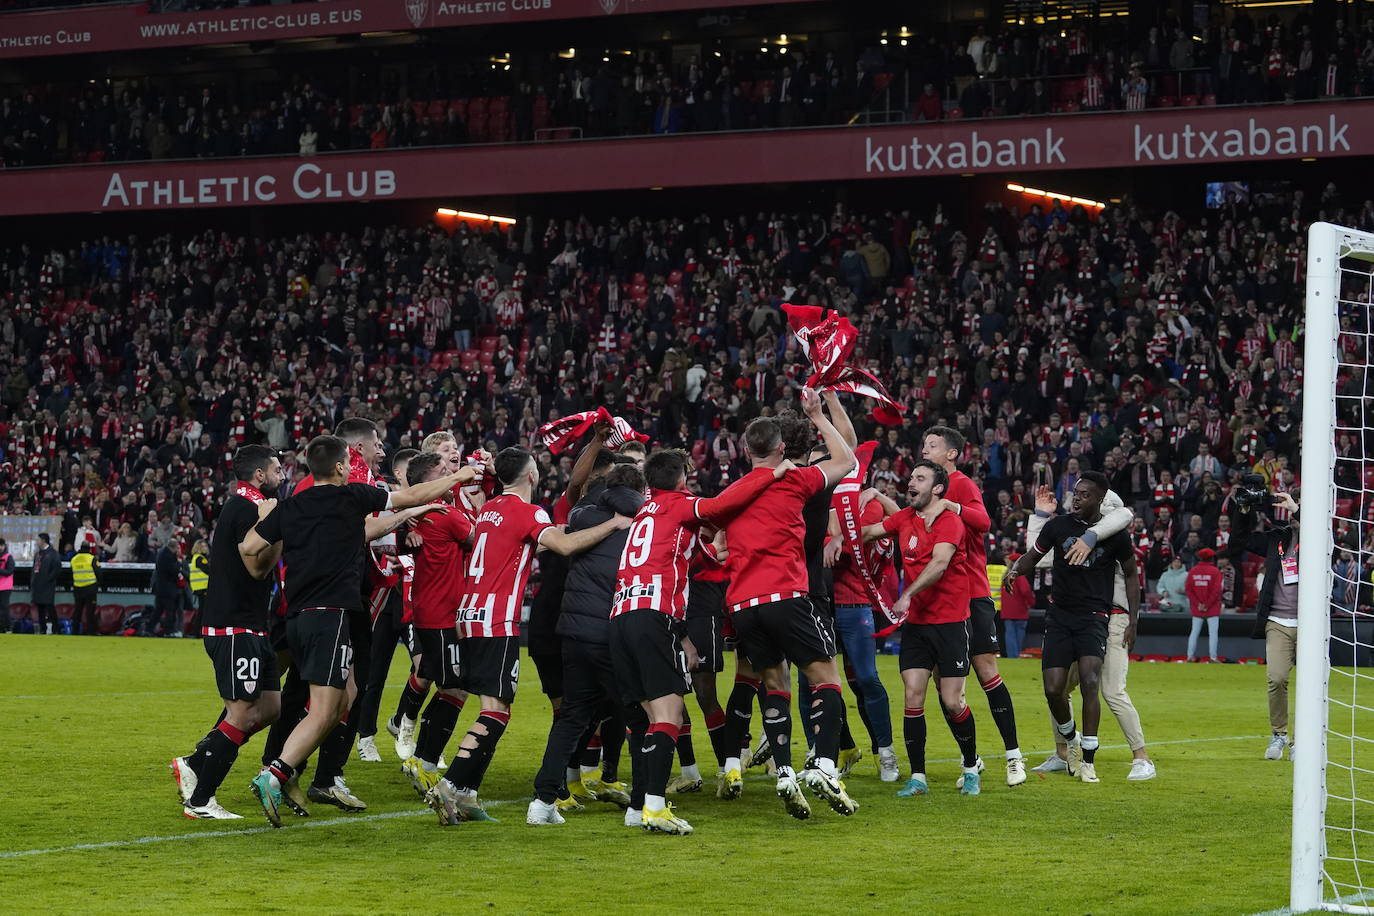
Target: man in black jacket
(588, 681)
(1276, 615)
(167, 589)
(43, 585)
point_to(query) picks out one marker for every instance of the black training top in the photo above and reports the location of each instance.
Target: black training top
(1082, 589)
(234, 598)
(323, 539)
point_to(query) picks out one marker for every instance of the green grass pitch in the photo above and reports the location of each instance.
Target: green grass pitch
(89, 820)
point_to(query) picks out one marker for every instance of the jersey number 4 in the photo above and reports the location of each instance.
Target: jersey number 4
(477, 563)
(637, 544)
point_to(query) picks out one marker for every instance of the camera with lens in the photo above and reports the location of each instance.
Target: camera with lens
(1250, 492)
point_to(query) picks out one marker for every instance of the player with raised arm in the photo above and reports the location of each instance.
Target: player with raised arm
(1121, 629)
(934, 607)
(943, 446)
(649, 649)
(508, 530)
(323, 533)
(1076, 626)
(235, 624)
(436, 590)
(773, 616)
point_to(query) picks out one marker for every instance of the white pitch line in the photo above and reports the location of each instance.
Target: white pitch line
(209, 692)
(1348, 900)
(296, 823)
(392, 815)
(1117, 747)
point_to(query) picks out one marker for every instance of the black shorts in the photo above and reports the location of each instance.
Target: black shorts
(705, 633)
(321, 649)
(489, 666)
(647, 657)
(245, 665)
(939, 647)
(1069, 637)
(412, 640)
(440, 656)
(982, 627)
(791, 630)
(550, 668)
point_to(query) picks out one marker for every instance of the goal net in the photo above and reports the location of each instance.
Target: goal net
(1333, 718)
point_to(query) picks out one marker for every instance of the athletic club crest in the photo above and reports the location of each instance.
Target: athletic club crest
(608, 6)
(911, 544)
(249, 686)
(416, 10)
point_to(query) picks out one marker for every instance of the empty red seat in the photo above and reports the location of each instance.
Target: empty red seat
(1188, 101)
(488, 344)
(957, 112)
(881, 81)
(437, 109)
(469, 360)
(1209, 99)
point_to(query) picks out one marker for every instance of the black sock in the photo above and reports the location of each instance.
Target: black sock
(659, 743)
(470, 765)
(412, 695)
(441, 715)
(1089, 745)
(827, 718)
(591, 750)
(777, 725)
(281, 769)
(846, 736)
(715, 727)
(214, 757)
(961, 726)
(999, 703)
(914, 734)
(334, 751)
(739, 710)
(638, 724)
(612, 740)
(686, 753)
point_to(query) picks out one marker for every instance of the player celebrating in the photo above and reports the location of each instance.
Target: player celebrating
(943, 446)
(935, 634)
(323, 532)
(773, 617)
(648, 653)
(436, 591)
(1076, 626)
(506, 533)
(235, 624)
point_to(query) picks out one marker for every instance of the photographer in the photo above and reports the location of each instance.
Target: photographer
(1276, 615)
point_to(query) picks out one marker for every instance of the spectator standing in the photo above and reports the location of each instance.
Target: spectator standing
(6, 584)
(43, 585)
(167, 589)
(1015, 608)
(1204, 597)
(1172, 586)
(85, 587)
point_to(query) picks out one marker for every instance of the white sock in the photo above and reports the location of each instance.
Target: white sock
(1066, 728)
(827, 766)
(1013, 753)
(972, 769)
(920, 776)
(429, 767)
(691, 772)
(587, 771)
(572, 775)
(886, 749)
(654, 803)
(732, 763)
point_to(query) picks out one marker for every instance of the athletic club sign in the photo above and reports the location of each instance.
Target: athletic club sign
(1005, 146)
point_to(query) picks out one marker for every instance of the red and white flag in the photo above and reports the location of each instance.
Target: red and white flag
(828, 339)
(562, 433)
(845, 501)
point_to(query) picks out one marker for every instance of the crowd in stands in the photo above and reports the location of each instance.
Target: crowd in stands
(1162, 347)
(1000, 70)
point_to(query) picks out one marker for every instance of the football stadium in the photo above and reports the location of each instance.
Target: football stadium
(541, 456)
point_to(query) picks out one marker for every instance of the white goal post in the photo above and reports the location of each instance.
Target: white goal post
(1333, 719)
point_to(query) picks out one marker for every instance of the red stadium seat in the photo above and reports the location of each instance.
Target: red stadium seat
(437, 109)
(97, 155)
(1164, 101)
(675, 278)
(1209, 99)
(955, 113)
(489, 344)
(1188, 101)
(881, 81)
(1345, 508)
(486, 359)
(460, 106)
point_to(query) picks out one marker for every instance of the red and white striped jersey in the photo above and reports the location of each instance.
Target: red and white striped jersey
(658, 551)
(503, 543)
